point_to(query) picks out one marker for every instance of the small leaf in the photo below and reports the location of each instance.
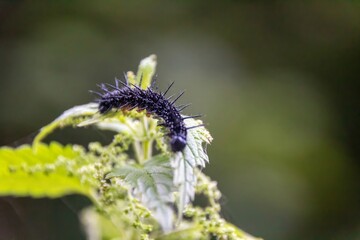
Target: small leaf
(40, 173)
(153, 186)
(81, 110)
(66, 119)
(146, 71)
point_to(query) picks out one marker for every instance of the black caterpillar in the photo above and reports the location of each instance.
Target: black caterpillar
(129, 98)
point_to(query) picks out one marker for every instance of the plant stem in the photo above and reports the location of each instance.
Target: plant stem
(138, 152)
(147, 144)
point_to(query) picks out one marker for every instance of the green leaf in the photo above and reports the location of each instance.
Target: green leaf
(44, 172)
(153, 186)
(72, 116)
(146, 71)
(184, 163)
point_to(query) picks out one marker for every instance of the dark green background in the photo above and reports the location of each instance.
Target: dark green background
(277, 81)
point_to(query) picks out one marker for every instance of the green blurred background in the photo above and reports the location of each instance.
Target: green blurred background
(277, 81)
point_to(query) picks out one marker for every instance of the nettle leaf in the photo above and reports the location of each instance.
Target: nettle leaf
(184, 163)
(153, 186)
(44, 172)
(184, 178)
(72, 116)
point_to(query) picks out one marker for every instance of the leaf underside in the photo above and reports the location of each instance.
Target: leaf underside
(185, 162)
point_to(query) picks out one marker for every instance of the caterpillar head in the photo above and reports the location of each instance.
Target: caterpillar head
(178, 143)
(105, 106)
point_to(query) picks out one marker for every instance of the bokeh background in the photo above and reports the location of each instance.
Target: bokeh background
(278, 82)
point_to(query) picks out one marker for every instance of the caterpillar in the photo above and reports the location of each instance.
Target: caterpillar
(131, 97)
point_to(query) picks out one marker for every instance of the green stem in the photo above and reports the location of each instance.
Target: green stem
(138, 152)
(147, 149)
(147, 144)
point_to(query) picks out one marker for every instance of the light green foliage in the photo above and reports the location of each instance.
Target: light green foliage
(133, 197)
(146, 71)
(49, 171)
(153, 185)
